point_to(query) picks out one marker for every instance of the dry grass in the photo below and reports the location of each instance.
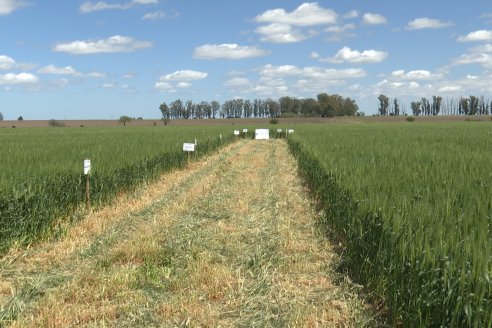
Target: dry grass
(237, 248)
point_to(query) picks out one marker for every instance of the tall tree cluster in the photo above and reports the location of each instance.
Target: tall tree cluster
(323, 106)
(431, 107)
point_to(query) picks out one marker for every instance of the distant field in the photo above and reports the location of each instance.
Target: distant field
(241, 121)
(413, 203)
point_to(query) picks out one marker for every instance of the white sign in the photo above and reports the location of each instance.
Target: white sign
(279, 130)
(236, 132)
(245, 130)
(87, 166)
(262, 134)
(290, 131)
(188, 147)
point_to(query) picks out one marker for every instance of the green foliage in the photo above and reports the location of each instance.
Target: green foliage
(410, 118)
(415, 211)
(274, 121)
(20, 118)
(125, 119)
(41, 180)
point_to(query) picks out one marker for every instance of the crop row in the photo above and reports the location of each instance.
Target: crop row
(35, 195)
(413, 205)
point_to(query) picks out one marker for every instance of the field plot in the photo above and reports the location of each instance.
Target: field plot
(229, 241)
(413, 203)
(41, 178)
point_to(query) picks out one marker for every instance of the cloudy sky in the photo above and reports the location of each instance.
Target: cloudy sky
(101, 59)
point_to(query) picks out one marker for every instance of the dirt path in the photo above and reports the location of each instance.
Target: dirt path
(228, 242)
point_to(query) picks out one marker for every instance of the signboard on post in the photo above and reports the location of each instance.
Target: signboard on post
(245, 130)
(290, 131)
(87, 166)
(188, 147)
(279, 130)
(262, 134)
(236, 132)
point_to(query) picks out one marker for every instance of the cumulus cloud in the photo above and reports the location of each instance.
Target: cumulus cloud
(354, 56)
(449, 89)
(373, 19)
(18, 79)
(113, 44)
(9, 6)
(180, 78)
(280, 33)
(481, 55)
(89, 7)
(6, 62)
(238, 82)
(307, 14)
(52, 69)
(228, 51)
(480, 35)
(311, 72)
(414, 75)
(184, 75)
(426, 23)
(351, 14)
(154, 15)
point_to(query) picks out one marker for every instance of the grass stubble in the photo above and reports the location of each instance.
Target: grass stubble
(238, 246)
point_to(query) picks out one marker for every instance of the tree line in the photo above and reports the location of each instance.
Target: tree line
(435, 106)
(323, 105)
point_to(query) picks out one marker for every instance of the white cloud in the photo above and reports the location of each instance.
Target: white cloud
(108, 85)
(113, 44)
(354, 56)
(21, 78)
(88, 7)
(163, 86)
(484, 59)
(97, 75)
(449, 89)
(6, 62)
(307, 14)
(228, 51)
(480, 35)
(314, 55)
(184, 75)
(9, 6)
(283, 70)
(52, 69)
(183, 85)
(426, 23)
(280, 33)
(351, 14)
(238, 82)
(340, 29)
(373, 19)
(414, 75)
(154, 15)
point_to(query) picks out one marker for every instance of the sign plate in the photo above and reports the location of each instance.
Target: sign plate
(236, 132)
(279, 130)
(87, 166)
(291, 131)
(262, 134)
(188, 147)
(245, 130)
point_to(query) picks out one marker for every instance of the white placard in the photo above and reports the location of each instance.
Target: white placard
(87, 166)
(188, 147)
(236, 132)
(290, 131)
(245, 130)
(262, 134)
(279, 130)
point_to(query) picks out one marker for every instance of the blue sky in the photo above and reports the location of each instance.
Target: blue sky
(102, 59)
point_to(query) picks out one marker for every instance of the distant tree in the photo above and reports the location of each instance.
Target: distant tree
(55, 123)
(415, 105)
(383, 105)
(125, 119)
(473, 105)
(166, 113)
(215, 105)
(20, 118)
(426, 107)
(177, 109)
(1, 116)
(436, 105)
(396, 107)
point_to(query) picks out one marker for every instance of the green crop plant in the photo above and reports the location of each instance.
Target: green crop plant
(41, 178)
(413, 204)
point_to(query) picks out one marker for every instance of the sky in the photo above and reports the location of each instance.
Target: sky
(82, 59)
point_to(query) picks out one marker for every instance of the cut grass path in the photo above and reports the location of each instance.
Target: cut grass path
(230, 241)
